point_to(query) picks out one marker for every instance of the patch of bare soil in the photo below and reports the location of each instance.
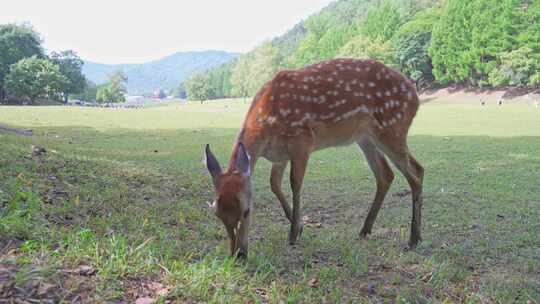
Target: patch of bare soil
(6, 129)
(461, 95)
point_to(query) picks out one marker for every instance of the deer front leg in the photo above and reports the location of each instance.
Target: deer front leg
(275, 183)
(298, 170)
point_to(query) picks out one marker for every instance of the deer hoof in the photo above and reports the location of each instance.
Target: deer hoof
(295, 234)
(364, 233)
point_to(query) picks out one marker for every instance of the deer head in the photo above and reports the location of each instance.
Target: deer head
(233, 197)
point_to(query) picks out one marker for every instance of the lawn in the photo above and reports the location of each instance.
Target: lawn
(115, 211)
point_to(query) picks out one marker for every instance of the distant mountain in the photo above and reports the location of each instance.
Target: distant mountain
(164, 73)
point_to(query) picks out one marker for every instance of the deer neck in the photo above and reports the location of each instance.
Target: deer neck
(254, 141)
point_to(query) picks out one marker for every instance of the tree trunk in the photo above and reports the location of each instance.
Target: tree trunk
(2, 94)
(65, 98)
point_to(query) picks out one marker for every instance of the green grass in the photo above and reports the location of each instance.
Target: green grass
(115, 210)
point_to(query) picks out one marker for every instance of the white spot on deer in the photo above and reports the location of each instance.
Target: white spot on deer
(271, 97)
(387, 93)
(285, 112)
(283, 84)
(315, 91)
(360, 109)
(297, 111)
(379, 94)
(327, 116)
(399, 115)
(371, 84)
(403, 87)
(385, 124)
(378, 76)
(394, 89)
(368, 96)
(367, 69)
(330, 79)
(292, 86)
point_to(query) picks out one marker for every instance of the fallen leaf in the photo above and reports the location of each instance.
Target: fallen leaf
(313, 282)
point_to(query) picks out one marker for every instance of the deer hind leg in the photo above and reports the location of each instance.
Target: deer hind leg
(298, 170)
(384, 176)
(397, 150)
(276, 177)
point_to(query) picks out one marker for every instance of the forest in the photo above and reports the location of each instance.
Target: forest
(473, 43)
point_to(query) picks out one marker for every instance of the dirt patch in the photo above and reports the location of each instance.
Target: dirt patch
(460, 95)
(6, 129)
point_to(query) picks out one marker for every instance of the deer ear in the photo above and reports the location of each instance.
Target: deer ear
(243, 160)
(212, 164)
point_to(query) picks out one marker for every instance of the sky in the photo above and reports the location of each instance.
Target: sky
(123, 31)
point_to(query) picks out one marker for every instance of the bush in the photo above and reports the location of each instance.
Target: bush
(520, 67)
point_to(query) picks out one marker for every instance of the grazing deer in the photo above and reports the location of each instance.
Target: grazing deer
(333, 103)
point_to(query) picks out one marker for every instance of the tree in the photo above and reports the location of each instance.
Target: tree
(362, 47)
(411, 43)
(34, 78)
(71, 67)
(16, 42)
(114, 90)
(240, 77)
(179, 91)
(198, 87)
(382, 21)
(89, 92)
(469, 37)
(517, 68)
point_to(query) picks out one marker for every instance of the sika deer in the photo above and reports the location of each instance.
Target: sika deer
(333, 103)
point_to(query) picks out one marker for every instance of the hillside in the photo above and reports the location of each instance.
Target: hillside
(476, 44)
(164, 73)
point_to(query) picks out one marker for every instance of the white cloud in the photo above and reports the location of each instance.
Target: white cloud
(123, 31)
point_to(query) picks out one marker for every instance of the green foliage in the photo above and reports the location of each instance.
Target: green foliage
(19, 219)
(89, 92)
(518, 68)
(411, 43)
(469, 37)
(114, 90)
(179, 91)
(220, 81)
(71, 68)
(198, 87)
(362, 47)
(382, 21)
(240, 77)
(16, 42)
(34, 78)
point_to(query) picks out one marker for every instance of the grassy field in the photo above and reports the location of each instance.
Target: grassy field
(115, 211)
